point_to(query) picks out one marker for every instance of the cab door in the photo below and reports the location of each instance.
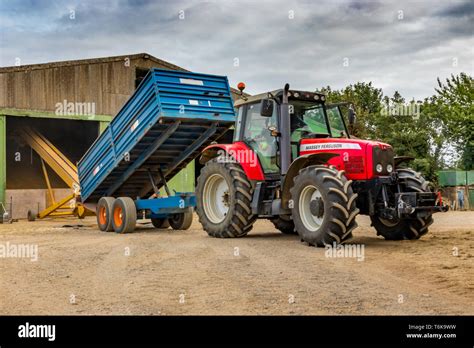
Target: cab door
(254, 131)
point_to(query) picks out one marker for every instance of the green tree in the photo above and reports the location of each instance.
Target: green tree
(454, 106)
(441, 127)
(367, 101)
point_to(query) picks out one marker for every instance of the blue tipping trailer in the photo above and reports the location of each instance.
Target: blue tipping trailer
(164, 125)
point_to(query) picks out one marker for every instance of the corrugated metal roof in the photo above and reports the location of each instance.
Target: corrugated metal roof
(97, 61)
(90, 61)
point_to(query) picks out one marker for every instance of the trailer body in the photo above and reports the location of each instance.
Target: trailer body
(164, 125)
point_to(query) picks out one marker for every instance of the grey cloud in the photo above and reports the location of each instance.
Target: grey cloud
(307, 51)
(459, 9)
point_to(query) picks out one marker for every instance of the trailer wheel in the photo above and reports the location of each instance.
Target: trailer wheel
(181, 221)
(409, 228)
(124, 215)
(223, 200)
(160, 223)
(324, 207)
(104, 214)
(284, 224)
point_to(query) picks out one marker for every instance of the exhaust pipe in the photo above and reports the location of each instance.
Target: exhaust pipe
(285, 139)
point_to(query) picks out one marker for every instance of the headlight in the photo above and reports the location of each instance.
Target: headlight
(379, 168)
(316, 97)
(389, 168)
(296, 94)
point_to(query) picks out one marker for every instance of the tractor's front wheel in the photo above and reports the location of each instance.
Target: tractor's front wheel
(412, 227)
(323, 205)
(223, 200)
(284, 224)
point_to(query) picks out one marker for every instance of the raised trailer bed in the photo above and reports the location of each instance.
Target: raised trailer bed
(164, 125)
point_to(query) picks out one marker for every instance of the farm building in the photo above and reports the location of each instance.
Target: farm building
(68, 103)
(456, 184)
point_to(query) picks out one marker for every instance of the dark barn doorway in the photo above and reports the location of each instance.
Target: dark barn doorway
(24, 169)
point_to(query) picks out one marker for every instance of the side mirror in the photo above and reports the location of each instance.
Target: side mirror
(266, 108)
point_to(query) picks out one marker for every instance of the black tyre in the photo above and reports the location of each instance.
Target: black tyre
(160, 223)
(284, 224)
(323, 206)
(31, 216)
(181, 221)
(104, 214)
(124, 215)
(412, 227)
(223, 200)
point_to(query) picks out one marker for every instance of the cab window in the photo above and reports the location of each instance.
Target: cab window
(257, 135)
(306, 118)
(238, 124)
(335, 122)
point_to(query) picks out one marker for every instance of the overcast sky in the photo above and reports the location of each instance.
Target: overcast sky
(398, 45)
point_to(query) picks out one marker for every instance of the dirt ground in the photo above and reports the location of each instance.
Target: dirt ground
(161, 272)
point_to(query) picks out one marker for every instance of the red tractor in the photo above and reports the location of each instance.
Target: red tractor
(294, 162)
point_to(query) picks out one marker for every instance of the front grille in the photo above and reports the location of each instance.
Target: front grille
(384, 157)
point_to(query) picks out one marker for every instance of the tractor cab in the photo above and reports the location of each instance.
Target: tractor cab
(259, 123)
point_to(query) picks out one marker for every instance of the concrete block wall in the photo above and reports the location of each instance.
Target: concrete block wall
(24, 200)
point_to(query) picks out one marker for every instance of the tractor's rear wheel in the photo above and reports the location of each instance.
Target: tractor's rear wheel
(284, 224)
(181, 221)
(323, 205)
(104, 214)
(124, 215)
(409, 228)
(223, 200)
(160, 223)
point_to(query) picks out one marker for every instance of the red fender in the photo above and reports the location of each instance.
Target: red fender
(238, 152)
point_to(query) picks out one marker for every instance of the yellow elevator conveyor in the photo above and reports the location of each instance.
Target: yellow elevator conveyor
(65, 169)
